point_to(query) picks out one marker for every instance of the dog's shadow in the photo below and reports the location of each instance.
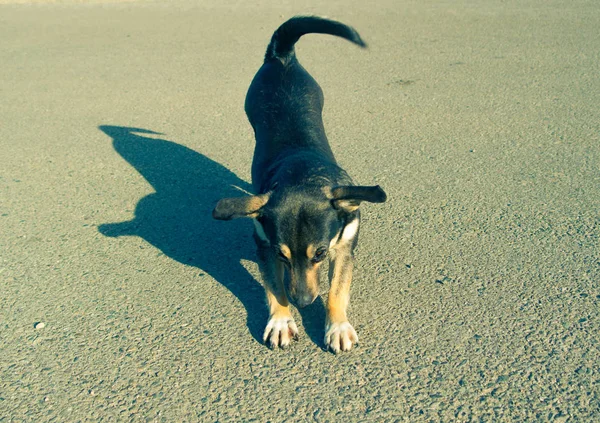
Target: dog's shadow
(177, 220)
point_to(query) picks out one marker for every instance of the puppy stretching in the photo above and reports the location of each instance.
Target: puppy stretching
(307, 207)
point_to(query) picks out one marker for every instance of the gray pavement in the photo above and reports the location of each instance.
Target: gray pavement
(476, 294)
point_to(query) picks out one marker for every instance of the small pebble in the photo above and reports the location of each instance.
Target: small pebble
(39, 325)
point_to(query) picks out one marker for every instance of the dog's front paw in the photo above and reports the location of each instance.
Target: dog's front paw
(280, 331)
(340, 337)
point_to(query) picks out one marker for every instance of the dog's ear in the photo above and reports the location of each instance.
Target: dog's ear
(231, 208)
(348, 198)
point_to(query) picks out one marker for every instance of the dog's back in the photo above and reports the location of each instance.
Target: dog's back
(284, 103)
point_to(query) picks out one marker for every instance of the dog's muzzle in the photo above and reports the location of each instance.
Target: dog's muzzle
(303, 300)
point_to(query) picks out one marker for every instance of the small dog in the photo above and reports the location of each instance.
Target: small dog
(307, 207)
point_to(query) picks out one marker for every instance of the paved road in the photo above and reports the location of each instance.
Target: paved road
(476, 295)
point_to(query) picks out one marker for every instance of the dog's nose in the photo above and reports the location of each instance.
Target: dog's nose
(304, 300)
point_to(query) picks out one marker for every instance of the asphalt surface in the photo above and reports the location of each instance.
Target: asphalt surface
(476, 291)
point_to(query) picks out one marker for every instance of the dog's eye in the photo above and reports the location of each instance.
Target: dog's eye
(320, 255)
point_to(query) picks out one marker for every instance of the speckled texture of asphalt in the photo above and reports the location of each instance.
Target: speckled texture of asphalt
(476, 292)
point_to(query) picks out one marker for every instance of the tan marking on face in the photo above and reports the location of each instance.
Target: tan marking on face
(312, 279)
(308, 277)
(311, 251)
(285, 250)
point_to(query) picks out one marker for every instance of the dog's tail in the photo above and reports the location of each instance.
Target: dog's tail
(282, 43)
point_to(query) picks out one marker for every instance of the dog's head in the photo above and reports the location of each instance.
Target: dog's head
(303, 226)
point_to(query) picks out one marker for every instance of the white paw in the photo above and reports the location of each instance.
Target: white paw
(340, 337)
(280, 331)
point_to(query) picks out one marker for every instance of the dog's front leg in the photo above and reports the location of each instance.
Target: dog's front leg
(339, 333)
(281, 328)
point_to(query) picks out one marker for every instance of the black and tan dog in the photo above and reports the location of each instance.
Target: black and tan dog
(306, 209)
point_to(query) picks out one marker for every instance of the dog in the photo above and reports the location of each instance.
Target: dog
(306, 207)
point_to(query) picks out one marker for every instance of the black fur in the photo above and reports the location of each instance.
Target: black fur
(284, 105)
(282, 43)
(310, 198)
